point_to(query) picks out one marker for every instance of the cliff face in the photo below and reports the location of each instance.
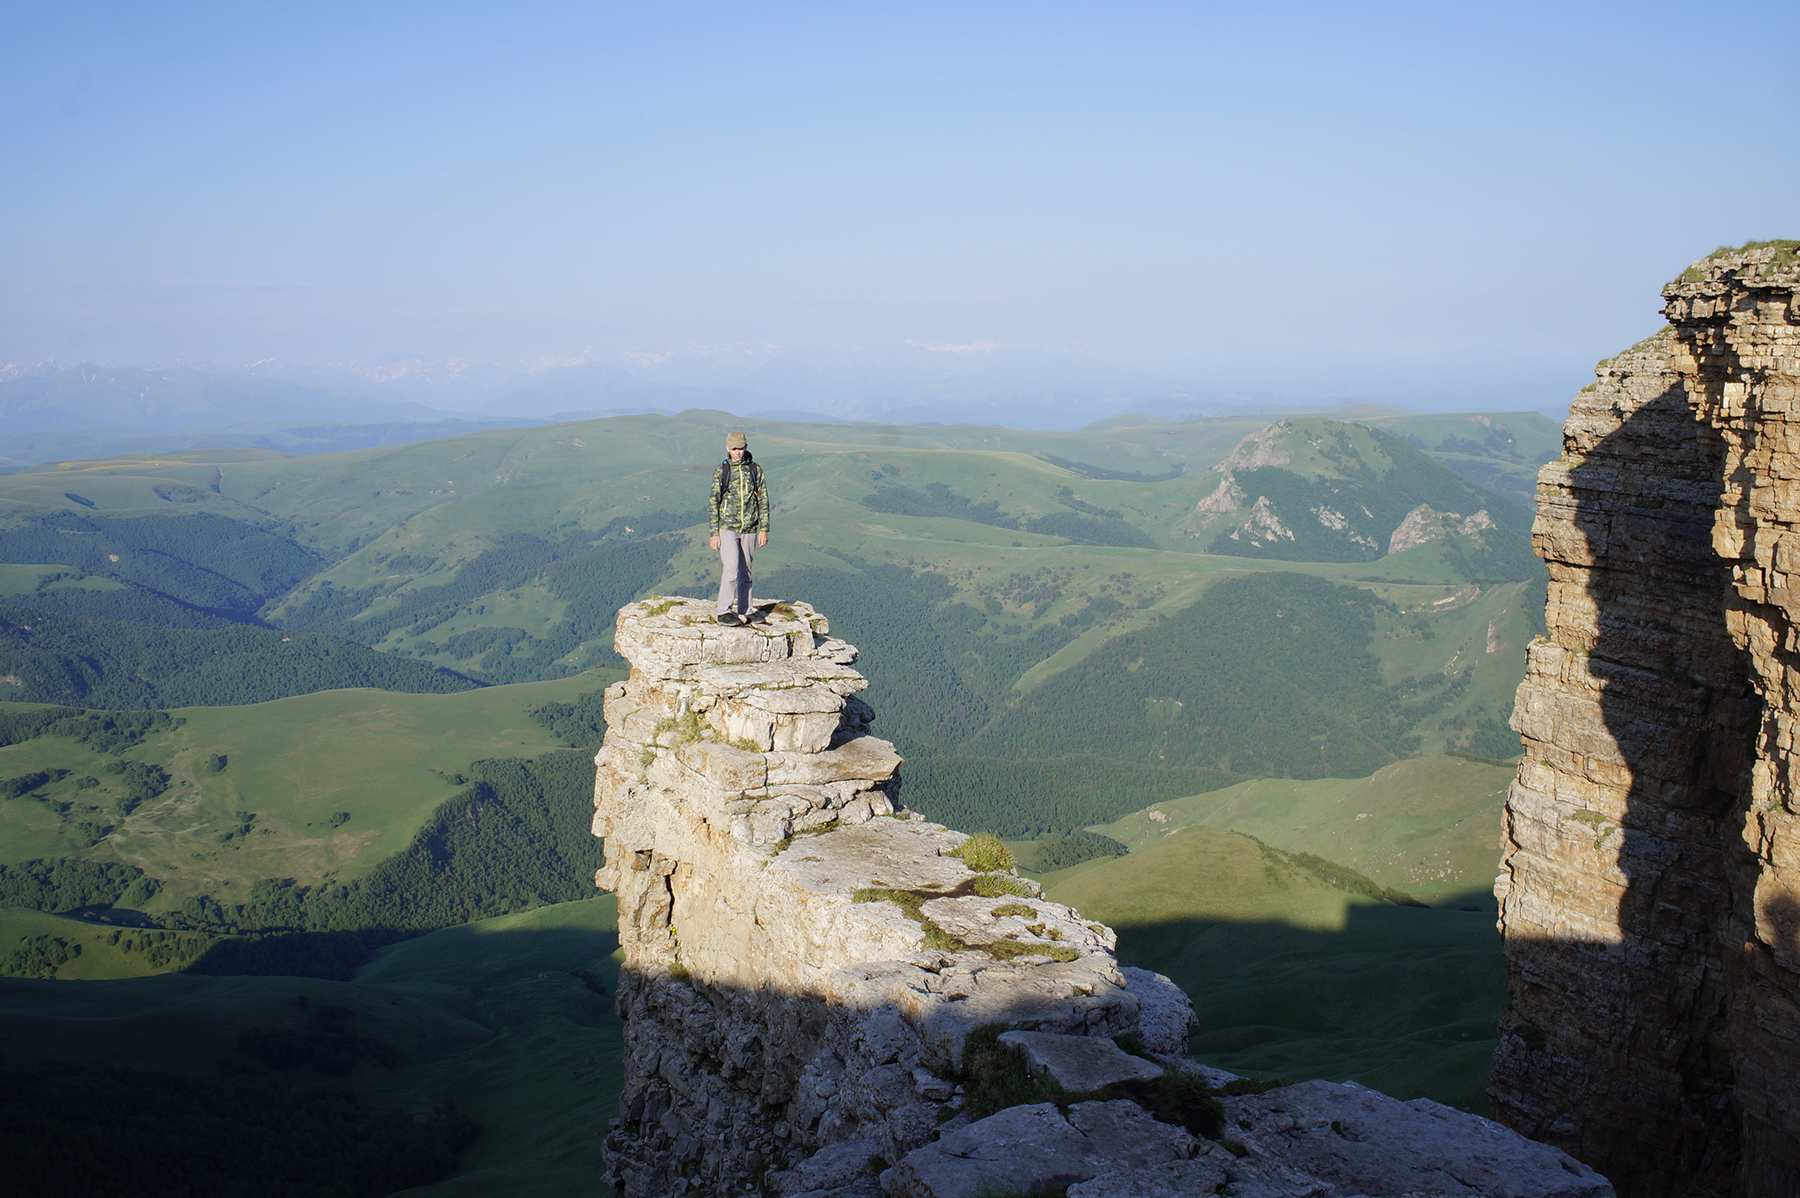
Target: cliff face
(1648, 885)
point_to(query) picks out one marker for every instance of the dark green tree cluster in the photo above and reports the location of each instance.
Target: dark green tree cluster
(17, 727)
(102, 731)
(1092, 530)
(517, 837)
(71, 884)
(1096, 610)
(1057, 851)
(581, 724)
(936, 500)
(1067, 497)
(24, 784)
(70, 1130)
(103, 663)
(159, 947)
(137, 782)
(38, 957)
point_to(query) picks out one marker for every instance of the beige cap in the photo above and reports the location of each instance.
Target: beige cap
(736, 440)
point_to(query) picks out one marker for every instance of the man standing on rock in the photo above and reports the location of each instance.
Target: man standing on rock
(738, 515)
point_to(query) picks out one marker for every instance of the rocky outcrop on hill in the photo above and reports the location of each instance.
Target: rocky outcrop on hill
(1423, 525)
(1309, 489)
(806, 965)
(1649, 885)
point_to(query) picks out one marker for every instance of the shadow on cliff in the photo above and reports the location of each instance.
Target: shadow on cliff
(1402, 999)
(1640, 1084)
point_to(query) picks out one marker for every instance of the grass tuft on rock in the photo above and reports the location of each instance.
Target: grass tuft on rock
(995, 1076)
(996, 885)
(984, 854)
(911, 905)
(1182, 1098)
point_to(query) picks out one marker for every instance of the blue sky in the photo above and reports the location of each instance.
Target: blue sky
(1352, 198)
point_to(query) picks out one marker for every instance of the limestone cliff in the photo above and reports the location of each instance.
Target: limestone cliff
(1647, 887)
(805, 962)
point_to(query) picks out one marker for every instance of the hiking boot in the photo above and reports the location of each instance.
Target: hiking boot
(730, 619)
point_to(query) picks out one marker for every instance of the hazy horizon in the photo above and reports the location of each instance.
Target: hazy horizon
(1400, 204)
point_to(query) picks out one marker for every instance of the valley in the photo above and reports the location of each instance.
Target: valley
(320, 726)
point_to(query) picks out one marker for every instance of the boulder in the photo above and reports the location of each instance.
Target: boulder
(1165, 1012)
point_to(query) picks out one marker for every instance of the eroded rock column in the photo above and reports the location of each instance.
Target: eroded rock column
(803, 959)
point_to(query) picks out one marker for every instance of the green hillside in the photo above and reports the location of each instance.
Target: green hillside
(286, 772)
(481, 553)
(1291, 976)
(1428, 825)
(1499, 451)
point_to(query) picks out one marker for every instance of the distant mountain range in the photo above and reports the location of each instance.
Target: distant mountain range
(55, 412)
(89, 396)
(910, 382)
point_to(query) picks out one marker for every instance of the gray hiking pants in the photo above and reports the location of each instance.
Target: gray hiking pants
(736, 549)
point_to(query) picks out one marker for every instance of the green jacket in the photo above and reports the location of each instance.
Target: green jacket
(740, 498)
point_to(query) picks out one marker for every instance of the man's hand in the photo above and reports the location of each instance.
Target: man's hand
(715, 542)
(762, 538)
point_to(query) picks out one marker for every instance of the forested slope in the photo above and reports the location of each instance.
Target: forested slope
(127, 611)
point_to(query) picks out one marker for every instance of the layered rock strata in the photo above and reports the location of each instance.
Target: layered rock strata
(805, 962)
(1648, 884)
(802, 959)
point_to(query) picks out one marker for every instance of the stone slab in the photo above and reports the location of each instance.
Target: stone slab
(865, 758)
(1364, 1142)
(1080, 1064)
(1028, 1148)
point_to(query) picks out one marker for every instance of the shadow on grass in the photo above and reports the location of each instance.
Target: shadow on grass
(509, 1019)
(1403, 999)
